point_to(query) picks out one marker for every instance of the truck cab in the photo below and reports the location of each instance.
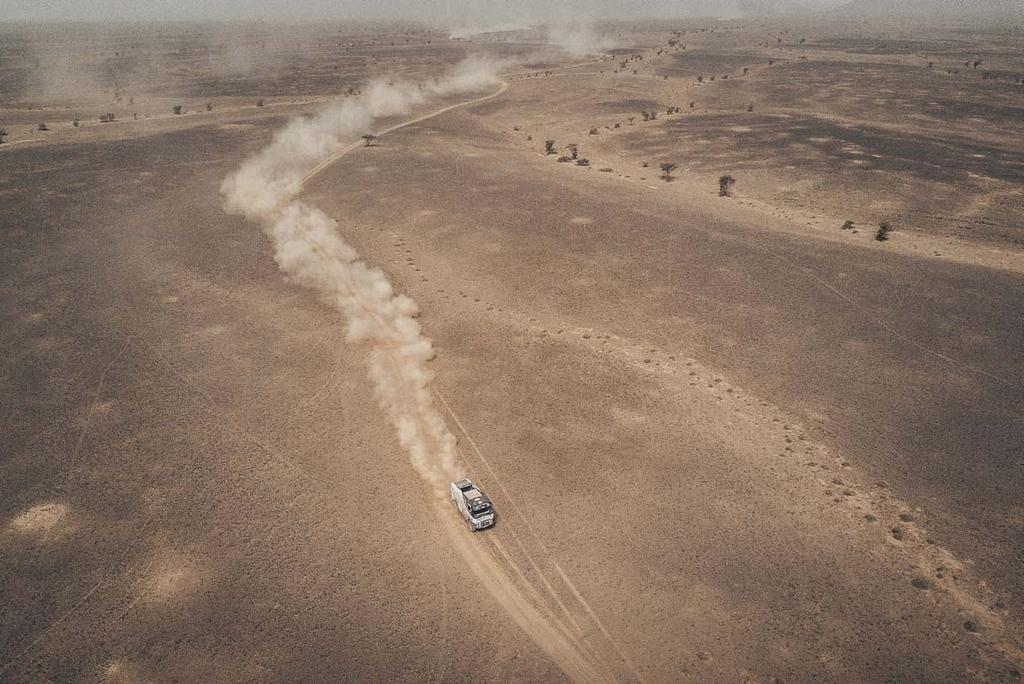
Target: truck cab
(473, 504)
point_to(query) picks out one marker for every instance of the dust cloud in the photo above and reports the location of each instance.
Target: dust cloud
(312, 253)
(578, 40)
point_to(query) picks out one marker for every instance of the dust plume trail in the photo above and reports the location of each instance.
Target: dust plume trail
(311, 252)
(578, 39)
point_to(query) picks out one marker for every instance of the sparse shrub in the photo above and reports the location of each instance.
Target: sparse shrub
(666, 171)
(209, 106)
(369, 138)
(606, 169)
(725, 184)
(3, 134)
(43, 127)
(573, 151)
(76, 123)
(700, 79)
(771, 62)
(529, 137)
(617, 125)
(847, 225)
(549, 147)
(750, 108)
(582, 161)
(593, 131)
(644, 165)
(107, 118)
(884, 228)
(177, 109)
(564, 158)
(746, 70)
(259, 102)
(692, 104)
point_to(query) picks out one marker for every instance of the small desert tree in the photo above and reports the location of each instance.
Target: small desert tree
(725, 184)
(259, 102)
(177, 109)
(666, 171)
(847, 225)
(549, 147)
(884, 228)
(43, 127)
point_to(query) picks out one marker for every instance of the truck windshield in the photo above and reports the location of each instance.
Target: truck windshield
(479, 512)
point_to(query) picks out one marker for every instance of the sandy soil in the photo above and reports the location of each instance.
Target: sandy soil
(722, 446)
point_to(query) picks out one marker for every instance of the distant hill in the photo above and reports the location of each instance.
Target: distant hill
(940, 10)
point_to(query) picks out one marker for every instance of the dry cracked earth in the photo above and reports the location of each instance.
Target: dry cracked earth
(727, 439)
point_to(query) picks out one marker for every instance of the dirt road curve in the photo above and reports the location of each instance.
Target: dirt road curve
(523, 589)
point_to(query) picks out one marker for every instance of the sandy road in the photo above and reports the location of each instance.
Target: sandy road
(523, 576)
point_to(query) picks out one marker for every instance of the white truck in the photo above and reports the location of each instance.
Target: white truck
(473, 504)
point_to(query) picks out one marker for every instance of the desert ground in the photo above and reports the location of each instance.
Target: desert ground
(727, 438)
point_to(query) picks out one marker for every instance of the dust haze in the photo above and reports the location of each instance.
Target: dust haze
(719, 304)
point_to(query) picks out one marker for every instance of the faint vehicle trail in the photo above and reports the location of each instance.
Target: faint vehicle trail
(89, 413)
(882, 324)
(81, 602)
(572, 587)
(545, 633)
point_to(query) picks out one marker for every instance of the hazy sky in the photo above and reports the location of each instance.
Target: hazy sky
(441, 11)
